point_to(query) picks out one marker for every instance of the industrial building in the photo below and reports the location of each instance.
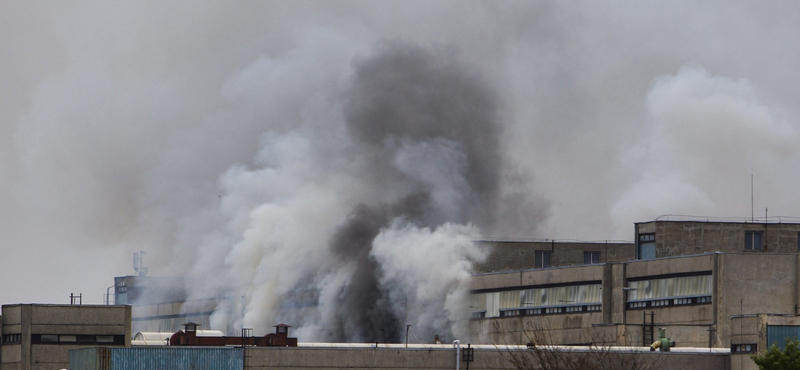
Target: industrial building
(710, 283)
(514, 255)
(40, 336)
(722, 290)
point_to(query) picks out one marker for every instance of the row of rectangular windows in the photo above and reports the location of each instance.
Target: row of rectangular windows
(12, 338)
(596, 308)
(77, 339)
(543, 311)
(67, 339)
(669, 302)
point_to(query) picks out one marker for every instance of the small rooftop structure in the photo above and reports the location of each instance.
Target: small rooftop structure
(190, 337)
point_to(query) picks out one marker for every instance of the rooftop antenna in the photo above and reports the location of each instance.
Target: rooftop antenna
(752, 215)
(138, 265)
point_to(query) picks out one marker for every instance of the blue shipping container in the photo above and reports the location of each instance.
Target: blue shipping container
(155, 358)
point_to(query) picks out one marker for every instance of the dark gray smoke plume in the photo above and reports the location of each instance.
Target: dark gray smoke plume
(427, 128)
(427, 121)
(423, 144)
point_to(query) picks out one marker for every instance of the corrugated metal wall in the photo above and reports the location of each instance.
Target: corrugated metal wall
(152, 358)
(84, 358)
(777, 334)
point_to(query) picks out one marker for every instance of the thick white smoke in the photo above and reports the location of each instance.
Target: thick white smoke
(706, 134)
(427, 274)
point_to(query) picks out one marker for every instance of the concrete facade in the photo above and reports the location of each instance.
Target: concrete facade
(38, 336)
(741, 283)
(706, 286)
(332, 356)
(519, 255)
(677, 238)
(398, 357)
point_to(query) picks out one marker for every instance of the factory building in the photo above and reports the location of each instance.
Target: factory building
(726, 287)
(717, 284)
(40, 336)
(514, 255)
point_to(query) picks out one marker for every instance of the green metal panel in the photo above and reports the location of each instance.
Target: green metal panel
(777, 334)
(85, 359)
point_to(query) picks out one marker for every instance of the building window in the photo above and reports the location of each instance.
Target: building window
(752, 240)
(105, 339)
(551, 310)
(48, 338)
(542, 259)
(744, 348)
(664, 292)
(646, 249)
(77, 339)
(12, 338)
(509, 313)
(591, 257)
(798, 241)
(537, 301)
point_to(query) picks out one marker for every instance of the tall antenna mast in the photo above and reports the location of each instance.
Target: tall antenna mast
(138, 265)
(752, 215)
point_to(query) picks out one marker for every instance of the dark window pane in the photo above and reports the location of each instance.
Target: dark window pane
(591, 257)
(752, 240)
(647, 251)
(542, 259)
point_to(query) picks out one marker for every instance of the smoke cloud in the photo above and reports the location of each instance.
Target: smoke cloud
(332, 162)
(419, 163)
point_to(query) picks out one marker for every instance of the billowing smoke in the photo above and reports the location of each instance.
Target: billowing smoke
(290, 158)
(706, 136)
(421, 159)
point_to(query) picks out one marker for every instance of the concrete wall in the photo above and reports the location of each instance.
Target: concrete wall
(520, 255)
(32, 319)
(16, 320)
(744, 284)
(691, 325)
(549, 276)
(675, 238)
(669, 266)
(755, 283)
(571, 329)
(441, 358)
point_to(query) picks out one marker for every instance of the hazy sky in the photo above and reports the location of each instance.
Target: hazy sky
(160, 126)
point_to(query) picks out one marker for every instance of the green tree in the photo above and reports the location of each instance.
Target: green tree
(775, 359)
